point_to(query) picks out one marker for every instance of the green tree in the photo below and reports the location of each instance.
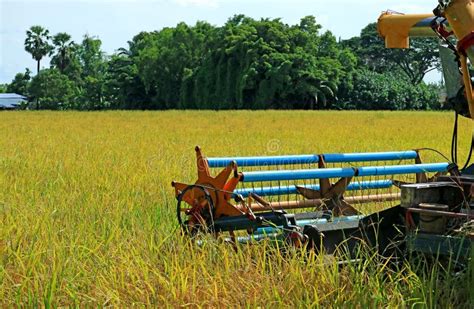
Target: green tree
(3, 88)
(167, 61)
(309, 25)
(123, 87)
(91, 56)
(93, 68)
(53, 89)
(64, 49)
(246, 63)
(20, 83)
(389, 91)
(37, 44)
(268, 64)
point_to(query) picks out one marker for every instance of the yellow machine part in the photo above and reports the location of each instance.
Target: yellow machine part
(397, 29)
(460, 15)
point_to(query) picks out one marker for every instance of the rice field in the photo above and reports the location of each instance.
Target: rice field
(87, 212)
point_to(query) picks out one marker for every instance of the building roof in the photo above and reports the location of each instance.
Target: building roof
(11, 96)
(11, 100)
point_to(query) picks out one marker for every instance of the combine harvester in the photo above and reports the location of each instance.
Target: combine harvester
(317, 200)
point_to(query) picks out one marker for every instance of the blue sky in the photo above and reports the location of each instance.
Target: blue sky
(117, 21)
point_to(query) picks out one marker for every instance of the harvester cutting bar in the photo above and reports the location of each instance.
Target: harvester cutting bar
(335, 223)
(302, 204)
(282, 190)
(343, 172)
(313, 158)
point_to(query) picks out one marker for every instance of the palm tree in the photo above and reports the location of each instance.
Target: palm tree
(320, 93)
(324, 93)
(37, 44)
(64, 48)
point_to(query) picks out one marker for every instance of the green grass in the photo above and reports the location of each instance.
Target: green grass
(87, 212)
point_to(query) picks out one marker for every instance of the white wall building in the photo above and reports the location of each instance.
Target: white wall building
(11, 100)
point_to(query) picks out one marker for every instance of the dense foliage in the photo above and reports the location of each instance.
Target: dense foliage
(244, 64)
(389, 91)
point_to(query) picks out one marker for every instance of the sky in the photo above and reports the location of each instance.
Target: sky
(117, 21)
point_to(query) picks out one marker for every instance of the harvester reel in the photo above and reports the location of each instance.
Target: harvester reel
(200, 216)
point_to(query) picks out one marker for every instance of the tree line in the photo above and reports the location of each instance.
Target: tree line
(244, 64)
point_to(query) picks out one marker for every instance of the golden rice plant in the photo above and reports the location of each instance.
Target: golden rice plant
(87, 213)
